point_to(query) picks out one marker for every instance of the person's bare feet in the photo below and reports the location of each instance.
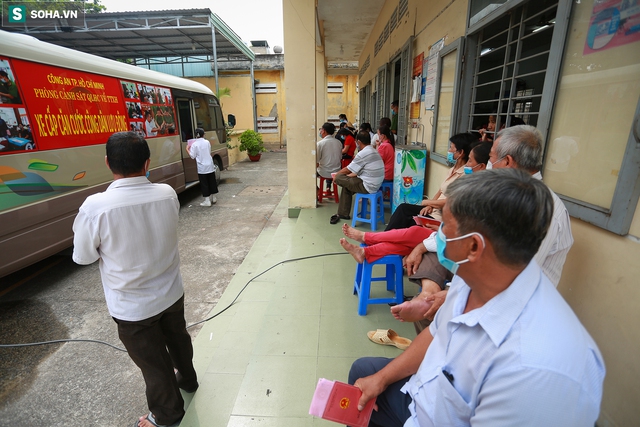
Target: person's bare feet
(411, 311)
(144, 422)
(356, 251)
(352, 233)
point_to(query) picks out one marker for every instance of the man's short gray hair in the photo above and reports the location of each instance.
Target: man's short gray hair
(507, 206)
(524, 144)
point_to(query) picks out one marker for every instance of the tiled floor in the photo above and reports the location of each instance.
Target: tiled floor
(259, 361)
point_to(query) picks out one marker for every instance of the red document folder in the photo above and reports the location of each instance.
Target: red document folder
(336, 401)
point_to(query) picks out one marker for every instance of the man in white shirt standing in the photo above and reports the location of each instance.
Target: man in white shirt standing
(505, 348)
(328, 153)
(132, 229)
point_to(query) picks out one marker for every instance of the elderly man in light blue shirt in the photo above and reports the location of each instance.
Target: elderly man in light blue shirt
(505, 348)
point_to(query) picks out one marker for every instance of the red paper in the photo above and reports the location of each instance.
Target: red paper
(423, 220)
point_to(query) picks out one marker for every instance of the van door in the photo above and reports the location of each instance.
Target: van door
(186, 119)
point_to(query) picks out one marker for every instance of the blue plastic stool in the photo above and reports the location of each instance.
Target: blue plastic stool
(393, 277)
(387, 188)
(371, 215)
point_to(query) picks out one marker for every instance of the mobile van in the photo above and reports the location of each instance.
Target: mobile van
(57, 109)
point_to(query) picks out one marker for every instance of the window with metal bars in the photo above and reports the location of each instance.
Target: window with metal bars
(511, 62)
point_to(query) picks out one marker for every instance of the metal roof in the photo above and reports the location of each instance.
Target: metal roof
(183, 35)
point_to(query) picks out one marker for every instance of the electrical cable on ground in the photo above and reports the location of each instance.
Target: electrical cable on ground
(189, 326)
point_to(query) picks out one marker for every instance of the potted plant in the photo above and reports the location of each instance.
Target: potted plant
(251, 142)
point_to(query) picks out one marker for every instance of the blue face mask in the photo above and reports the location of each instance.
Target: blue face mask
(441, 245)
(450, 158)
(468, 170)
(147, 175)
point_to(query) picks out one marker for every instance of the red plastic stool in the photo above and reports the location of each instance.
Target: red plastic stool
(322, 193)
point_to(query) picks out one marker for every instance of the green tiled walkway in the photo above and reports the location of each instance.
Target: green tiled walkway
(259, 361)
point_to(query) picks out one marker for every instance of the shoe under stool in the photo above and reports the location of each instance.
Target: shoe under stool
(393, 276)
(368, 208)
(322, 193)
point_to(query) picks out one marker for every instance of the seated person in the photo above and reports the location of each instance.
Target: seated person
(386, 149)
(384, 121)
(517, 147)
(345, 136)
(505, 348)
(392, 242)
(363, 175)
(328, 153)
(458, 155)
(366, 127)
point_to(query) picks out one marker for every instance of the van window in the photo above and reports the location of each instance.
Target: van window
(205, 117)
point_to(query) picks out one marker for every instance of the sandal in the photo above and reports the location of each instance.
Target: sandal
(388, 337)
(152, 420)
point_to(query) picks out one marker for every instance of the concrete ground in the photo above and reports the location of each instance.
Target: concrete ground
(79, 384)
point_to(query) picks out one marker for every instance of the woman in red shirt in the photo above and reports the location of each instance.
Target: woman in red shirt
(386, 149)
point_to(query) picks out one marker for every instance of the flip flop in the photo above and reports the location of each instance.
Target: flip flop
(153, 422)
(388, 337)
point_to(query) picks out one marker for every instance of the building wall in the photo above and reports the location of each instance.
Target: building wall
(272, 105)
(300, 94)
(600, 276)
(345, 102)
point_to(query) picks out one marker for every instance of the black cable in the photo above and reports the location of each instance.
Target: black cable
(255, 277)
(59, 341)
(189, 326)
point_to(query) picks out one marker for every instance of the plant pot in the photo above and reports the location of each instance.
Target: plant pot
(255, 158)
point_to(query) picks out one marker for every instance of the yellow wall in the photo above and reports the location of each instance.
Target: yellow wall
(300, 94)
(345, 102)
(600, 277)
(271, 105)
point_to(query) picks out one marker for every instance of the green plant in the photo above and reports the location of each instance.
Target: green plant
(251, 142)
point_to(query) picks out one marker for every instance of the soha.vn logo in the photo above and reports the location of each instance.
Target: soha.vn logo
(18, 14)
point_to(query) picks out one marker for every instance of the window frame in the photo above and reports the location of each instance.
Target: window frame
(618, 217)
(456, 45)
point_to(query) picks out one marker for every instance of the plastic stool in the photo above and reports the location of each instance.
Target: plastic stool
(393, 277)
(327, 193)
(371, 209)
(387, 189)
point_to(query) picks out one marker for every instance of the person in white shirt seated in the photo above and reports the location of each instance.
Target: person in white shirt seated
(328, 154)
(517, 147)
(505, 348)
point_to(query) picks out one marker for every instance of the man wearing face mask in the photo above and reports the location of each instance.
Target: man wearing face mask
(505, 347)
(517, 147)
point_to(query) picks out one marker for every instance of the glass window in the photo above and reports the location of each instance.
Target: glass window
(511, 60)
(205, 116)
(444, 114)
(596, 105)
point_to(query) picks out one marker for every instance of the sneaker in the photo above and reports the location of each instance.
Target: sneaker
(206, 202)
(213, 199)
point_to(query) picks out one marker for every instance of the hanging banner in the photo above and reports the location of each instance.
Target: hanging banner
(613, 23)
(416, 86)
(432, 73)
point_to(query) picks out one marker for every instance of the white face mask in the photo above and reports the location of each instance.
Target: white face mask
(489, 165)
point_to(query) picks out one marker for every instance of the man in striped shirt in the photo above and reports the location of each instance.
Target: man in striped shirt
(364, 175)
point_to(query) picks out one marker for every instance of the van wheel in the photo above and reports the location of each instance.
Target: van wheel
(218, 164)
